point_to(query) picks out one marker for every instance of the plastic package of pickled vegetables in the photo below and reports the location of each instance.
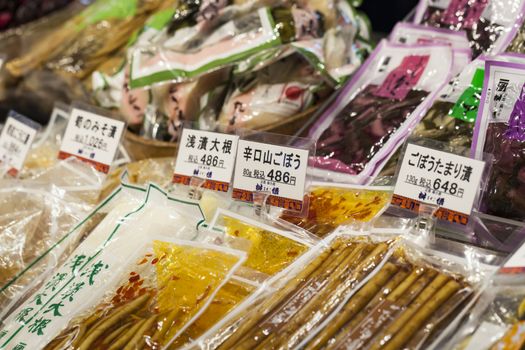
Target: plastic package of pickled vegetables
(352, 291)
(490, 24)
(41, 225)
(499, 131)
(408, 33)
(498, 319)
(270, 249)
(376, 110)
(101, 263)
(332, 205)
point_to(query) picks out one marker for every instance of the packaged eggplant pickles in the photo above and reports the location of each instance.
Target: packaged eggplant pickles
(103, 269)
(490, 24)
(332, 205)
(354, 292)
(375, 111)
(499, 132)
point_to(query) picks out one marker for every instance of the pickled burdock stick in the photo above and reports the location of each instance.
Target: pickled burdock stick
(115, 317)
(438, 318)
(395, 281)
(117, 332)
(376, 320)
(322, 303)
(126, 337)
(315, 283)
(356, 303)
(139, 336)
(404, 335)
(412, 309)
(167, 323)
(262, 310)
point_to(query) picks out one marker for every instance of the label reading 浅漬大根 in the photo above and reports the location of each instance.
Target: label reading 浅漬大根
(206, 155)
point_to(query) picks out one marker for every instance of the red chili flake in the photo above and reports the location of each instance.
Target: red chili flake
(132, 273)
(143, 261)
(134, 278)
(120, 289)
(149, 255)
(292, 253)
(358, 204)
(138, 283)
(154, 261)
(175, 278)
(236, 233)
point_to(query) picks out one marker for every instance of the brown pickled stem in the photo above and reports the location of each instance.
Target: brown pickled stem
(127, 336)
(262, 310)
(138, 337)
(354, 305)
(417, 320)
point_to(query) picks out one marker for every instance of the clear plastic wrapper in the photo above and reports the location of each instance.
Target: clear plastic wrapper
(270, 249)
(490, 24)
(332, 205)
(102, 261)
(375, 111)
(499, 132)
(49, 223)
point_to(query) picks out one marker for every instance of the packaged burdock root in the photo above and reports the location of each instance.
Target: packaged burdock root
(375, 111)
(490, 24)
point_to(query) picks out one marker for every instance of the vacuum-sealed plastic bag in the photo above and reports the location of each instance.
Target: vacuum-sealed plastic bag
(489, 24)
(332, 205)
(108, 257)
(270, 249)
(230, 43)
(499, 131)
(46, 228)
(375, 111)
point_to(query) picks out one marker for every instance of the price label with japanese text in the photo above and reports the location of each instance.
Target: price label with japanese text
(446, 180)
(207, 155)
(91, 138)
(278, 170)
(15, 141)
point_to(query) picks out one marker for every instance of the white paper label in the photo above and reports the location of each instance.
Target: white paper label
(15, 142)
(207, 155)
(278, 170)
(435, 177)
(92, 138)
(516, 263)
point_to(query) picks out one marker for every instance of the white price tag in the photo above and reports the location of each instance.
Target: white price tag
(91, 138)
(15, 141)
(516, 263)
(278, 170)
(207, 155)
(435, 177)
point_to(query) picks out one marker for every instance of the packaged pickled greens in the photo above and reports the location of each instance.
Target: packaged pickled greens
(112, 256)
(354, 292)
(270, 249)
(489, 24)
(332, 205)
(375, 111)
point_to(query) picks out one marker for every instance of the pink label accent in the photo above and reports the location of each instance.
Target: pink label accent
(464, 12)
(402, 79)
